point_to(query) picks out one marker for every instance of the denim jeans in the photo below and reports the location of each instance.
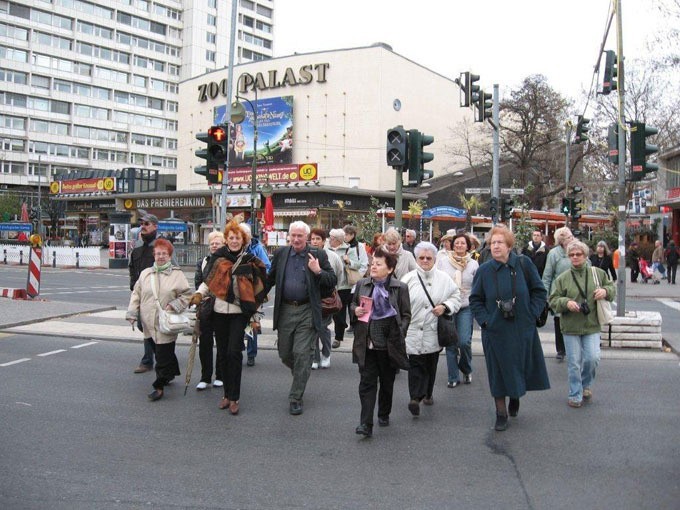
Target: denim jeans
(251, 350)
(149, 346)
(461, 357)
(325, 340)
(583, 357)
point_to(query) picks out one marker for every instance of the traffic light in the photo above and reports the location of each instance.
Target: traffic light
(574, 203)
(610, 73)
(640, 149)
(417, 158)
(506, 209)
(203, 154)
(214, 153)
(582, 128)
(566, 206)
(397, 147)
(218, 144)
(493, 206)
(484, 105)
(613, 143)
(470, 89)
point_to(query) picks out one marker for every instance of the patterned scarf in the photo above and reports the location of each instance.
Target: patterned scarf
(238, 278)
(459, 263)
(160, 269)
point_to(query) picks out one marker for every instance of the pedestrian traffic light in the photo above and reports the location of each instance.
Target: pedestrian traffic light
(218, 144)
(640, 149)
(469, 88)
(493, 206)
(582, 128)
(574, 203)
(210, 169)
(417, 158)
(566, 206)
(613, 143)
(609, 82)
(484, 105)
(397, 148)
(506, 209)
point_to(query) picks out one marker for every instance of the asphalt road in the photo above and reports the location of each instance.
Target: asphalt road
(78, 433)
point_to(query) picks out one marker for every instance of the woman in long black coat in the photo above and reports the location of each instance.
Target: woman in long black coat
(512, 347)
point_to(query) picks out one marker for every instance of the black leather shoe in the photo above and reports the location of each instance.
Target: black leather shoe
(364, 430)
(295, 408)
(414, 407)
(501, 422)
(251, 361)
(513, 407)
(384, 422)
(155, 395)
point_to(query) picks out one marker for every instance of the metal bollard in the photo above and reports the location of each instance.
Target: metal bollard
(77, 260)
(21, 257)
(4, 252)
(54, 258)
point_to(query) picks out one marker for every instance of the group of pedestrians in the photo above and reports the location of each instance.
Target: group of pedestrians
(403, 290)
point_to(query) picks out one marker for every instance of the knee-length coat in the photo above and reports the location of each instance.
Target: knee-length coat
(512, 348)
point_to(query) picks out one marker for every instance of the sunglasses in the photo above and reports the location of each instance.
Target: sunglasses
(425, 258)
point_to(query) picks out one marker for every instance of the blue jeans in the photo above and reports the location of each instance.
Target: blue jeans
(461, 358)
(251, 349)
(583, 357)
(149, 349)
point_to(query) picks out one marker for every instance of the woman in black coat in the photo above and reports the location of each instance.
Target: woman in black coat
(381, 311)
(506, 299)
(602, 258)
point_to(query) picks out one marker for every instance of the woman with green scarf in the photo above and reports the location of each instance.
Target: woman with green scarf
(173, 291)
(461, 267)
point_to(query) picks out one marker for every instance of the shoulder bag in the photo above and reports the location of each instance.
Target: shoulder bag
(604, 308)
(331, 304)
(447, 335)
(172, 323)
(353, 275)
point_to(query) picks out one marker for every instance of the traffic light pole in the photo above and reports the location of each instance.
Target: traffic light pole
(496, 155)
(230, 80)
(398, 199)
(623, 199)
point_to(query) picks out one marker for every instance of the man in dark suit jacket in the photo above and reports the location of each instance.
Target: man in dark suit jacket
(298, 272)
(537, 251)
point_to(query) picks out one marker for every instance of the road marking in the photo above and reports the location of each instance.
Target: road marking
(15, 362)
(83, 345)
(52, 352)
(670, 303)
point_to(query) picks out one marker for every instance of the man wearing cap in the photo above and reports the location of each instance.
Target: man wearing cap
(140, 259)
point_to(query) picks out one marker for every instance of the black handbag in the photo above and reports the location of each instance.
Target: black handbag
(543, 318)
(447, 335)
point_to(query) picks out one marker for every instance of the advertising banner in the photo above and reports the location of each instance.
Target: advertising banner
(83, 186)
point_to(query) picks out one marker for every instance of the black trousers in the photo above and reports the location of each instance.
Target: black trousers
(377, 369)
(167, 366)
(634, 271)
(422, 374)
(229, 332)
(672, 271)
(205, 353)
(340, 318)
(559, 339)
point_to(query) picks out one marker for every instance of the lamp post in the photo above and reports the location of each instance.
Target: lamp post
(237, 117)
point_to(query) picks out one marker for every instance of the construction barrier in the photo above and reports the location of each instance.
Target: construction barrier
(34, 267)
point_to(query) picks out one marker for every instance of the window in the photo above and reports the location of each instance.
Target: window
(210, 38)
(247, 4)
(40, 82)
(212, 20)
(264, 11)
(210, 55)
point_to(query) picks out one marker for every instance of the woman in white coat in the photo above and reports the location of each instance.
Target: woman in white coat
(422, 344)
(173, 293)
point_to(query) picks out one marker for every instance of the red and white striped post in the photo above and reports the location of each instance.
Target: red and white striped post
(34, 265)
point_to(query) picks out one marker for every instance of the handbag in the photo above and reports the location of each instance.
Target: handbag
(172, 323)
(331, 304)
(543, 318)
(604, 308)
(353, 275)
(447, 335)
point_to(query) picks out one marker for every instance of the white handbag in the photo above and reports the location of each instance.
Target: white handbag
(604, 308)
(172, 323)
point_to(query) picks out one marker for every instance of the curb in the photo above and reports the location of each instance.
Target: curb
(58, 316)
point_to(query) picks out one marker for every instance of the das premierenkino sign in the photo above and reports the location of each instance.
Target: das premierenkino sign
(169, 203)
(272, 79)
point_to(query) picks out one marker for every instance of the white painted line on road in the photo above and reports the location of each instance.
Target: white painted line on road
(670, 303)
(14, 362)
(52, 352)
(83, 345)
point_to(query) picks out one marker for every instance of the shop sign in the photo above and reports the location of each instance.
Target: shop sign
(107, 184)
(275, 174)
(169, 203)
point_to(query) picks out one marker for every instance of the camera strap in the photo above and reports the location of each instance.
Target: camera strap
(583, 294)
(513, 275)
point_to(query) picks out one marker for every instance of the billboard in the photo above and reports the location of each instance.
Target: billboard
(274, 128)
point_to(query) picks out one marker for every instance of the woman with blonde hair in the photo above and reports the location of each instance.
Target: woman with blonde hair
(406, 262)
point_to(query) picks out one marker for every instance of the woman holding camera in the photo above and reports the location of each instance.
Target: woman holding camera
(507, 296)
(574, 295)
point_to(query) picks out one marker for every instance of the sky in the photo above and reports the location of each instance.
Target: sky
(503, 41)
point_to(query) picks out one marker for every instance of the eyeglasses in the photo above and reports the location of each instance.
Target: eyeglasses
(577, 254)
(424, 258)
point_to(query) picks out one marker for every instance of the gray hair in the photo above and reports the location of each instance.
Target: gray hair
(299, 224)
(561, 234)
(607, 251)
(580, 246)
(337, 233)
(425, 246)
(215, 234)
(392, 235)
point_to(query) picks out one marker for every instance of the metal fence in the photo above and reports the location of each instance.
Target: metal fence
(56, 256)
(190, 254)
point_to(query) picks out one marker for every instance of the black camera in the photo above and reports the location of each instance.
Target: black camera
(507, 308)
(584, 308)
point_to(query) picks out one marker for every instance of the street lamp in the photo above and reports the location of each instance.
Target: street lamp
(238, 115)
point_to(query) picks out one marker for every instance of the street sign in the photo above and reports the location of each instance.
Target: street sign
(512, 191)
(444, 210)
(478, 191)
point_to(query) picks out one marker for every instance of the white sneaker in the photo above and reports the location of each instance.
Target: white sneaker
(217, 383)
(325, 361)
(201, 386)
(315, 365)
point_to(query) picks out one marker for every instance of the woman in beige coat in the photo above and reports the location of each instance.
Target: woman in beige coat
(174, 293)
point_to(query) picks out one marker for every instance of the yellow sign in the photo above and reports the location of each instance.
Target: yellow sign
(54, 187)
(35, 240)
(308, 172)
(128, 203)
(109, 184)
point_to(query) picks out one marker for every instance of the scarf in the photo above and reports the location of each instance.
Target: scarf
(237, 278)
(160, 269)
(458, 263)
(382, 308)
